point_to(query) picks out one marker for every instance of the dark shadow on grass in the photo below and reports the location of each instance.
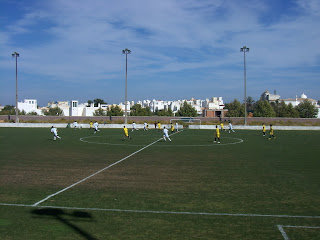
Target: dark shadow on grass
(61, 216)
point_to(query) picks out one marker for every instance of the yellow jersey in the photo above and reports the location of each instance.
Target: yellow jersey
(125, 131)
(217, 132)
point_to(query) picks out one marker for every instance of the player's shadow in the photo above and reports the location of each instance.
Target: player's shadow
(66, 218)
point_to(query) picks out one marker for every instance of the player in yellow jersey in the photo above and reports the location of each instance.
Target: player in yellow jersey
(172, 128)
(126, 134)
(217, 135)
(91, 125)
(222, 127)
(271, 132)
(159, 126)
(263, 129)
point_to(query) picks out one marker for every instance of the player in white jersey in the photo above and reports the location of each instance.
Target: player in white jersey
(134, 127)
(230, 127)
(55, 133)
(96, 127)
(165, 134)
(177, 126)
(75, 125)
(145, 127)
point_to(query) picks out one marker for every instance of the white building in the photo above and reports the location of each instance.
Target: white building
(214, 107)
(29, 105)
(266, 95)
(156, 105)
(214, 103)
(123, 107)
(83, 110)
(296, 101)
(63, 105)
(76, 109)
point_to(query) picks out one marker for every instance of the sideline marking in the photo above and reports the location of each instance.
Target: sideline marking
(284, 234)
(169, 212)
(101, 170)
(239, 140)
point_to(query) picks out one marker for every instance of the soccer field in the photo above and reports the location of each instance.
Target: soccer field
(97, 186)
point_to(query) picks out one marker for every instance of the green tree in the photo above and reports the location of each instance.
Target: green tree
(89, 103)
(99, 112)
(115, 111)
(307, 110)
(284, 110)
(164, 112)
(11, 110)
(235, 109)
(250, 104)
(293, 113)
(56, 111)
(97, 101)
(186, 110)
(276, 107)
(137, 110)
(8, 110)
(264, 109)
(32, 113)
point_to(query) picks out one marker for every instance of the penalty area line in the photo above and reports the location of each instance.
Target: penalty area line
(92, 175)
(284, 234)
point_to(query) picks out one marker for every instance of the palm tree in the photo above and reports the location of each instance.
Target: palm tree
(250, 103)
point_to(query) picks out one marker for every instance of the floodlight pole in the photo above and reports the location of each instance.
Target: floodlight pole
(126, 52)
(16, 55)
(244, 49)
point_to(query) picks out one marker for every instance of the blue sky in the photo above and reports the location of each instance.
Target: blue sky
(72, 50)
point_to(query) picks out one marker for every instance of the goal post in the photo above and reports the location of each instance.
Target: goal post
(192, 123)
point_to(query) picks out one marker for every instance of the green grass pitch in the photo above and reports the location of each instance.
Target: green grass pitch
(246, 187)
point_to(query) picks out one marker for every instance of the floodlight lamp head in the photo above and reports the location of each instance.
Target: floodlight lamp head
(126, 51)
(15, 54)
(244, 49)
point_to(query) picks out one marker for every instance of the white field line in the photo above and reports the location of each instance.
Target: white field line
(101, 170)
(239, 140)
(284, 234)
(169, 212)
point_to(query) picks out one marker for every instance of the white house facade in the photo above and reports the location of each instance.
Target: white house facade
(29, 106)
